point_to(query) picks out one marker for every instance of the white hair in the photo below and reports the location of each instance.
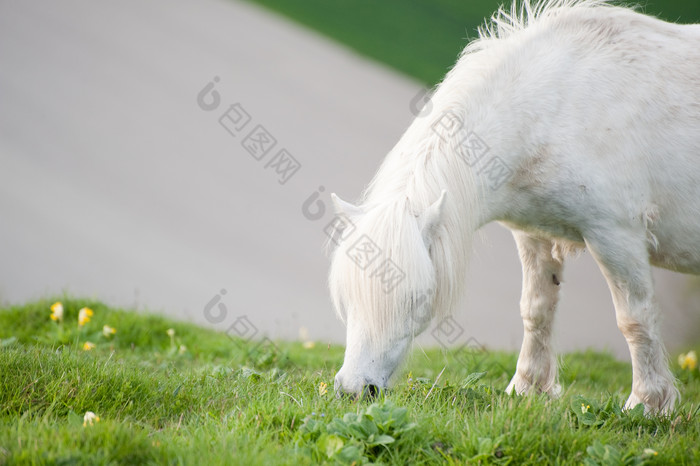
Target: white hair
(422, 164)
(571, 123)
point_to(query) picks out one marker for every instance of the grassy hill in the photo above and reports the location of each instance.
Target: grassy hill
(421, 38)
(171, 392)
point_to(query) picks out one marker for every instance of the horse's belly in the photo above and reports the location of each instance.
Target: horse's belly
(678, 251)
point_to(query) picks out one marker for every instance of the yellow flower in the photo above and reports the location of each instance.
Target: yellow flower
(585, 408)
(170, 332)
(88, 345)
(323, 388)
(688, 361)
(309, 344)
(57, 312)
(84, 316)
(90, 418)
(108, 331)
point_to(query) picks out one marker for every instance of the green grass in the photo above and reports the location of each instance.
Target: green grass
(421, 38)
(201, 397)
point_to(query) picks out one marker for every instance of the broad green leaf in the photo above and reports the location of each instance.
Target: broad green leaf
(382, 440)
(330, 444)
(485, 446)
(472, 379)
(637, 412)
(368, 426)
(350, 454)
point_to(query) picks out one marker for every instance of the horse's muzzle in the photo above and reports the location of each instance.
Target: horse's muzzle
(367, 392)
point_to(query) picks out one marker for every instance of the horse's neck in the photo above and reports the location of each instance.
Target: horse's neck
(467, 164)
(475, 161)
(473, 164)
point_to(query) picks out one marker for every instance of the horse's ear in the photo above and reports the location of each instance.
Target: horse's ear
(345, 208)
(429, 221)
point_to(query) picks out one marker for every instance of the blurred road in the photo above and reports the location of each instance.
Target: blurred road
(118, 182)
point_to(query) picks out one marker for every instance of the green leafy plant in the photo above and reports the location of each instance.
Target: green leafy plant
(487, 448)
(355, 437)
(608, 455)
(590, 413)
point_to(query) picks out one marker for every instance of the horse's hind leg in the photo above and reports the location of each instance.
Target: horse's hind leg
(542, 272)
(624, 260)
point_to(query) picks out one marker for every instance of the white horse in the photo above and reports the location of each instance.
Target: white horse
(573, 123)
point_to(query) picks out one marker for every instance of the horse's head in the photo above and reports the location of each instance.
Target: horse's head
(383, 285)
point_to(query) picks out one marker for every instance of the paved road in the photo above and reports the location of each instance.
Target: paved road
(117, 182)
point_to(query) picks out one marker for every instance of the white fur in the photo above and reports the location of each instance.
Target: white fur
(595, 112)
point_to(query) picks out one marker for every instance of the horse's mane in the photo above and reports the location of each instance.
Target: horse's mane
(504, 23)
(502, 26)
(411, 178)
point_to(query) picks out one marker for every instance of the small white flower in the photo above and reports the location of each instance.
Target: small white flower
(90, 418)
(170, 332)
(108, 331)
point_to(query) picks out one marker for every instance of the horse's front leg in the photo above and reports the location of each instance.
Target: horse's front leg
(542, 273)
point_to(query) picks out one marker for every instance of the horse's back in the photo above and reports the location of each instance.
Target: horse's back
(659, 143)
(625, 133)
